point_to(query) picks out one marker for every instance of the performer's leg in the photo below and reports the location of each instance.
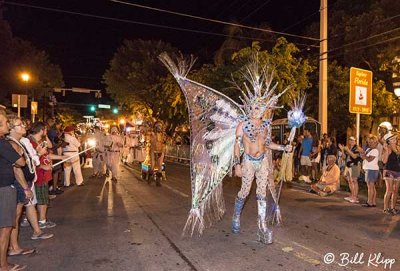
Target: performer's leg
(264, 234)
(247, 179)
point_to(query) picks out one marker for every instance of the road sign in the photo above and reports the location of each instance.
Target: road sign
(360, 100)
(23, 100)
(106, 106)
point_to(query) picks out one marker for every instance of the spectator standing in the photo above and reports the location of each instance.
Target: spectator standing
(370, 165)
(391, 173)
(38, 138)
(304, 153)
(352, 169)
(23, 185)
(9, 159)
(315, 157)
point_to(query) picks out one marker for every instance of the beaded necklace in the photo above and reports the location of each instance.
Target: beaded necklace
(252, 131)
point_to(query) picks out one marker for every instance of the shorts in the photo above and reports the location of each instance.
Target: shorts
(8, 206)
(21, 198)
(371, 175)
(353, 171)
(390, 174)
(42, 194)
(305, 161)
(325, 188)
(316, 159)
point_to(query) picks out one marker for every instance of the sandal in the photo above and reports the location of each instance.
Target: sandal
(17, 267)
(24, 251)
(368, 205)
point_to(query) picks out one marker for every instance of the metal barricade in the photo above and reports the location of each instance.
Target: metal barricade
(178, 153)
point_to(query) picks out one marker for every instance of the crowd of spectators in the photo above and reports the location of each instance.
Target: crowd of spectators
(30, 177)
(322, 162)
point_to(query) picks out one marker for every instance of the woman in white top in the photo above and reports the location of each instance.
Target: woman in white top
(370, 165)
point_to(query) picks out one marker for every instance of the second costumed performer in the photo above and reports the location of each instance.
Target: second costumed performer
(221, 131)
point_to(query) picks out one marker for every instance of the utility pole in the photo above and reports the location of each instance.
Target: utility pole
(323, 67)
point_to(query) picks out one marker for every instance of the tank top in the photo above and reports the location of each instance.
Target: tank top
(393, 162)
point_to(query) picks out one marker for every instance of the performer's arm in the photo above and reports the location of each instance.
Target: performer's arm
(236, 153)
(276, 147)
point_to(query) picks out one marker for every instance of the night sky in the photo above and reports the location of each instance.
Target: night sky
(83, 46)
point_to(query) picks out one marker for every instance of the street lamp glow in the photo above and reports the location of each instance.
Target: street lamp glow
(397, 92)
(25, 77)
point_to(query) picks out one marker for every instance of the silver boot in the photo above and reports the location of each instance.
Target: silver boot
(236, 215)
(264, 234)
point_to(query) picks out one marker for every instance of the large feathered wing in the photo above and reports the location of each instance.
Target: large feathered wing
(213, 119)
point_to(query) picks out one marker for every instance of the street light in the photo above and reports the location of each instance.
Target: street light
(25, 77)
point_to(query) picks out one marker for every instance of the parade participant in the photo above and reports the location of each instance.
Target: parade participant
(98, 155)
(254, 136)
(113, 144)
(219, 128)
(391, 173)
(74, 163)
(157, 150)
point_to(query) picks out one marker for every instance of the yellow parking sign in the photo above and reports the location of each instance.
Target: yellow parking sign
(360, 100)
(34, 108)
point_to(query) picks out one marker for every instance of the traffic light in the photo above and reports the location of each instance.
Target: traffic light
(115, 110)
(92, 108)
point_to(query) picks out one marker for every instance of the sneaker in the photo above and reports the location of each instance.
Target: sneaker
(394, 211)
(354, 201)
(52, 196)
(59, 191)
(348, 199)
(307, 179)
(322, 194)
(301, 178)
(24, 223)
(47, 225)
(42, 236)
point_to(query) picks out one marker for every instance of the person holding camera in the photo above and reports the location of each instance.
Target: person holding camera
(352, 169)
(391, 173)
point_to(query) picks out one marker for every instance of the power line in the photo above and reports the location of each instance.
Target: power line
(379, 22)
(256, 10)
(139, 23)
(213, 20)
(362, 40)
(359, 48)
(300, 21)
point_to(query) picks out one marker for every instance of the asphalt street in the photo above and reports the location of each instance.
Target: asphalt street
(131, 225)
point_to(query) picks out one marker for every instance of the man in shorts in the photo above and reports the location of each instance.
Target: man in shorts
(304, 153)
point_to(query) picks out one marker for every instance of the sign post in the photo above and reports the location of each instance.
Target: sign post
(34, 109)
(360, 98)
(19, 101)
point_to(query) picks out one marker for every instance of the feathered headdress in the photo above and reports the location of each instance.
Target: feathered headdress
(257, 88)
